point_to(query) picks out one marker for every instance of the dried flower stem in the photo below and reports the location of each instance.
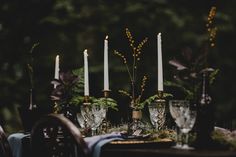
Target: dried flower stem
(142, 88)
(136, 51)
(125, 62)
(211, 30)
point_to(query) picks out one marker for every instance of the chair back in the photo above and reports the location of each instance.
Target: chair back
(56, 136)
(5, 149)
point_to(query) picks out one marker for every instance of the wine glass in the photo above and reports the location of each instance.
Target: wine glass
(85, 116)
(157, 115)
(189, 121)
(99, 114)
(176, 108)
(91, 116)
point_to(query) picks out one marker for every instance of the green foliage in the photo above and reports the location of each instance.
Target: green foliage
(107, 102)
(78, 88)
(188, 89)
(75, 90)
(151, 99)
(160, 135)
(213, 75)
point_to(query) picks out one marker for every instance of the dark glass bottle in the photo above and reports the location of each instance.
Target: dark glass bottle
(205, 114)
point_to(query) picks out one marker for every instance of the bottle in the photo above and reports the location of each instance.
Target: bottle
(205, 114)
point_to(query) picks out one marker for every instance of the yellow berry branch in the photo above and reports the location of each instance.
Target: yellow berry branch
(136, 52)
(211, 29)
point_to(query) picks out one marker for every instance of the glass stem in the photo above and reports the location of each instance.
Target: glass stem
(94, 131)
(179, 137)
(156, 126)
(186, 139)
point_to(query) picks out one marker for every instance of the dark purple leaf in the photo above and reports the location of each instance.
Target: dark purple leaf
(55, 98)
(55, 82)
(63, 90)
(178, 65)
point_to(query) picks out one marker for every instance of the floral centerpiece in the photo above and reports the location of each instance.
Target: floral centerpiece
(137, 103)
(135, 98)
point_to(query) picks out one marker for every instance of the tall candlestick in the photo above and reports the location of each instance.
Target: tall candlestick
(159, 58)
(86, 77)
(106, 74)
(56, 76)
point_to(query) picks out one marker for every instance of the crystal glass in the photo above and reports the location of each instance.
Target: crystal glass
(157, 115)
(85, 116)
(189, 121)
(99, 114)
(175, 107)
(91, 116)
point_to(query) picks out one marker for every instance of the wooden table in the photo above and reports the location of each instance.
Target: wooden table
(115, 149)
(145, 149)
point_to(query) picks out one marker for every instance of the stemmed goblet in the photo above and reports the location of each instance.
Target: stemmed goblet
(174, 106)
(184, 117)
(189, 121)
(99, 114)
(91, 116)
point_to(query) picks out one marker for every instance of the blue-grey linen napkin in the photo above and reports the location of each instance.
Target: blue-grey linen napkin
(95, 143)
(15, 141)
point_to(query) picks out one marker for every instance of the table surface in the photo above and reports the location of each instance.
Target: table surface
(132, 148)
(158, 149)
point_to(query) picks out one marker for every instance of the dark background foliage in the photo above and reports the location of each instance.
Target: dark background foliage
(68, 27)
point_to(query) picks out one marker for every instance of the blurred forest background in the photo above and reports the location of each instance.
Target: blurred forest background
(67, 27)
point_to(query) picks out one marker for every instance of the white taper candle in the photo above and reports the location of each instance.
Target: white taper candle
(159, 58)
(106, 71)
(86, 77)
(57, 69)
